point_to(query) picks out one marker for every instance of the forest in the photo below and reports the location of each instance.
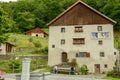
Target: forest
(23, 15)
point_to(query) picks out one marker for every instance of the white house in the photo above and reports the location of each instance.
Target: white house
(37, 32)
(84, 34)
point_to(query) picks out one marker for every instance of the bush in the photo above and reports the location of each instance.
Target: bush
(110, 73)
(44, 50)
(14, 66)
(83, 69)
(37, 44)
(74, 63)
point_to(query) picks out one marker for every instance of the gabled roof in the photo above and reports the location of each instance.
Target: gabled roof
(79, 1)
(36, 29)
(10, 43)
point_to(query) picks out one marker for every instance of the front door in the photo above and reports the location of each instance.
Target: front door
(97, 68)
(64, 57)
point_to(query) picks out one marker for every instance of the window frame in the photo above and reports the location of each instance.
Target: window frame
(62, 30)
(105, 66)
(62, 41)
(99, 28)
(102, 54)
(78, 29)
(83, 54)
(78, 40)
(115, 53)
(53, 46)
(100, 42)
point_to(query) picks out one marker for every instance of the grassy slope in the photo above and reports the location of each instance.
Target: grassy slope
(111, 78)
(116, 44)
(23, 41)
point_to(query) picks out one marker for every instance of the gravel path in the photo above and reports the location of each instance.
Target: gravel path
(63, 77)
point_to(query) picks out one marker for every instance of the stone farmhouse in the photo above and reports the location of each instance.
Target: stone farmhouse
(36, 32)
(84, 34)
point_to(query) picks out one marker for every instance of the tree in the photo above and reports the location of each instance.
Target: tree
(112, 9)
(6, 25)
(40, 12)
(25, 21)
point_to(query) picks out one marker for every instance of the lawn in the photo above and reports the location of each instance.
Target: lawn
(26, 45)
(111, 78)
(7, 65)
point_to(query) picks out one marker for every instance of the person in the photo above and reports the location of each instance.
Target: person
(72, 70)
(55, 69)
(1, 74)
(86, 72)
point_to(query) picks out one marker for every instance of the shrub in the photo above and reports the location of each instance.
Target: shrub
(74, 62)
(110, 73)
(44, 50)
(37, 44)
(14, 66)
(83, 69)
(30, 39)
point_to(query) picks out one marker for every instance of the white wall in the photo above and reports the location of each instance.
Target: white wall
(91, 45)
(39, 34)
(3, 49)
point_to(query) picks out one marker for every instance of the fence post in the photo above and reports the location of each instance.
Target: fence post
(43, 76)
(13, 67)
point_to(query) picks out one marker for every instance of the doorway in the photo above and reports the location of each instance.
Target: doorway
(97, 68)
(64, 57)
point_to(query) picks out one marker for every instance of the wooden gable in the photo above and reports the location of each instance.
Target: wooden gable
(36, 30)
(9, 47)
(80, 14)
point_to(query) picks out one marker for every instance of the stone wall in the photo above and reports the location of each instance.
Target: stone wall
(34, 76)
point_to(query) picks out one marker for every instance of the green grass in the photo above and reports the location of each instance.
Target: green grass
(21, 40)
(27, 43)
(35, 64)
(117, 44)
(111, 78)
(46, 30)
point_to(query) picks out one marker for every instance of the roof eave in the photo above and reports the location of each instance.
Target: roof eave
(114, 22)
(99, 13)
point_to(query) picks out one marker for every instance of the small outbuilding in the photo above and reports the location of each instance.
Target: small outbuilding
(6, 48)
(36, 32)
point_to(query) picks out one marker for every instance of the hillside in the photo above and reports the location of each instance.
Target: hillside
(25, 44)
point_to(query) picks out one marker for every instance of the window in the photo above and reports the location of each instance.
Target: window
(105, 65)
(53, 46)
(36, 35)
(77, 55)
(114, 53)
(62, 30)
(84, 54)
(99, 28)
(102, 54)
(79, 29)
(78, 41)
(62, 41)
(100, 42)
(94, 35)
